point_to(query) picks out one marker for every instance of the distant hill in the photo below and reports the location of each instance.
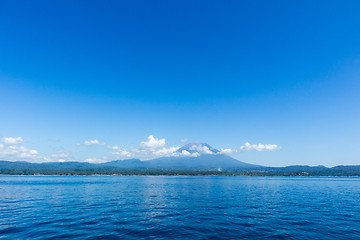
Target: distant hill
(193, 158)
(203, 157)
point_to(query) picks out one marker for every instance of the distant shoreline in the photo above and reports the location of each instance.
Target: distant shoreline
(174, 175)
(130, 168)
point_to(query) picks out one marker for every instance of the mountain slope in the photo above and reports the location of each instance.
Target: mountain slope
(202, 157)
(202, 162)
(125, 164)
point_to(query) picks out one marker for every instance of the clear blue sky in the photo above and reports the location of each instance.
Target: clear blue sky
(285, 73)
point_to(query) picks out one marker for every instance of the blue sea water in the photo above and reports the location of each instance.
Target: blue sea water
(165, 207)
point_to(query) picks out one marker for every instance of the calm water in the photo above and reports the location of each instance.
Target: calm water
(141, 207)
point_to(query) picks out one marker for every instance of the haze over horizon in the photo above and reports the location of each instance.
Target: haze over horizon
(268, 83)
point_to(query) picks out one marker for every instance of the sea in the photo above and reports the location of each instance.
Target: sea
(179, 207)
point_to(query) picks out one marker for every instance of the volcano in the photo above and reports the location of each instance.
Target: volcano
(198, 156)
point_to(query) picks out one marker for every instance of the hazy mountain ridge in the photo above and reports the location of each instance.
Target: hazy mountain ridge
(124, 167)
(207, 159)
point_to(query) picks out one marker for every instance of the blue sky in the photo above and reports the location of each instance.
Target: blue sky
(92, 80)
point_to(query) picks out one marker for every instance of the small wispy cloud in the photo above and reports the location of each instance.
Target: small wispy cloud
(12, 140)
(91, 142)
(227, 151)
(113, 147)
(252, 147)
(60, 155)
(259, 147)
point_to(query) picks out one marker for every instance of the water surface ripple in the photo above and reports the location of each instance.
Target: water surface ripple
(164, 207)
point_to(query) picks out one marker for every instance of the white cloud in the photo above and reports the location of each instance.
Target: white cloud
(153, 143)
(91, 142)
(195, 154)
(12, 140)
(252, 147)
(165, 152)
(146, 153)
(184, 140)
(259, 147)
(201, 149)
(227, 151)
(123, 153)
(12, 150)
(15, 153)
(185, 153)
(149, 149)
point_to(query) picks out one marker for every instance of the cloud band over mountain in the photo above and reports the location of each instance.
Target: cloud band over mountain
(11, 148)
